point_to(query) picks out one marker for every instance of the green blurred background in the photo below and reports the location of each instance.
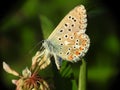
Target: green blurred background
(24, 23)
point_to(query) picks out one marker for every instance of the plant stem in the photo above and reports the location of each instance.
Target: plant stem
(82, 76)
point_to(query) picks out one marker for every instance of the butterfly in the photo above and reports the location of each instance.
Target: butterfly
(68, 41)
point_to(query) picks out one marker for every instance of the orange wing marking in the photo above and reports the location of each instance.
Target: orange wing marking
(70, 57)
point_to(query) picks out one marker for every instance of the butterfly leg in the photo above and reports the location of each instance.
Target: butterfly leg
(58, 61)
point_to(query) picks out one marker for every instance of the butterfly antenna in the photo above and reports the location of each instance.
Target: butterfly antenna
(38, 44)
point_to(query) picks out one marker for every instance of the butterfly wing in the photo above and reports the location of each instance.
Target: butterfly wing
(69, 40)
(76, 17)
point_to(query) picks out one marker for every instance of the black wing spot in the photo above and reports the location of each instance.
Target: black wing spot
(68, 53)
(72, 25)
(71, 37)
(61, 30)
(69, 29)
(76, 43)
(59, 39)
(74, 47)
(66, 24)
(69, 16)
(66, 36)
(74, 20)
(77, 40)
(61, 44)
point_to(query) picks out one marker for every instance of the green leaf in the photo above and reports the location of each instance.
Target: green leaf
(74, 85)
(47, 26)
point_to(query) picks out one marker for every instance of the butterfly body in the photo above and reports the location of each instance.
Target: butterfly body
(69, 41)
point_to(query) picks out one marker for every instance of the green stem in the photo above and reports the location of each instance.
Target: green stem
(82, 76)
